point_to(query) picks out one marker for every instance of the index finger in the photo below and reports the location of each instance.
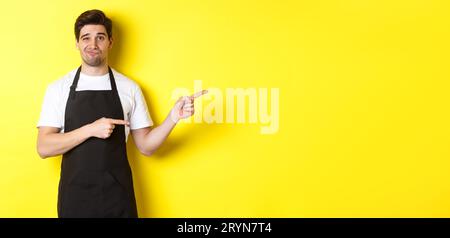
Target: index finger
(119, 122)
(198, 94)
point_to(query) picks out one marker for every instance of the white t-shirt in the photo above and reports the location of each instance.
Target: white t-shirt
(133, 102)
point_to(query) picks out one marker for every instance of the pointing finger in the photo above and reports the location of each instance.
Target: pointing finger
(198, 94)
(119, 122)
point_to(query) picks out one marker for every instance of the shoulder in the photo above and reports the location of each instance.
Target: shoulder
(63, 83)
(125, 83)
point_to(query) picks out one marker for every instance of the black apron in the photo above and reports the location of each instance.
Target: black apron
(96, 179)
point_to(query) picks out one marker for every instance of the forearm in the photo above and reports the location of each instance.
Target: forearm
(59, 143)
(154, 139)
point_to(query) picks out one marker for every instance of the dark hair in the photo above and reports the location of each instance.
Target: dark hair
(93, 17)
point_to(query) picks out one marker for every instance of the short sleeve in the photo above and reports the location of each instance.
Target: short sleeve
(140, 117)
(50, 113)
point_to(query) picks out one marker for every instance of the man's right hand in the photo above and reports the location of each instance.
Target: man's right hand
(52, 143)
(103, 127)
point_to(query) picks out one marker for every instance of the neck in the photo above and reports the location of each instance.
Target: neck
(94, 70)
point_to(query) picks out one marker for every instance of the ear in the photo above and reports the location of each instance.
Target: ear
(111, 42)
(76, 45)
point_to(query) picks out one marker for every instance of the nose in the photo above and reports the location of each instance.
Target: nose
(93, 44)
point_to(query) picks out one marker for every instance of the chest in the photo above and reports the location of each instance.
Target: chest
(126, 103)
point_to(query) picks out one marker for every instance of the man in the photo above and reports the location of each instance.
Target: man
(87, 116)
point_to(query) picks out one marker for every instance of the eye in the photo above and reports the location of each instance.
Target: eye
(101, 38)
(85, 38)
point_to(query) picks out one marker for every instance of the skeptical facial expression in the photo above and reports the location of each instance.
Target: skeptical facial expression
(94, 45)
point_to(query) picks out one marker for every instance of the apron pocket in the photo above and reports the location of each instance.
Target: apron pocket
(82, 195)
(115, 196)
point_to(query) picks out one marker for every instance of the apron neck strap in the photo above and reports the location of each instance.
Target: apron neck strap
(112, 81)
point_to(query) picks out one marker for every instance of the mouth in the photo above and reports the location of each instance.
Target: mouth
(92, 53)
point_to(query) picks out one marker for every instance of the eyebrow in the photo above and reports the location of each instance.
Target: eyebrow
(100, 33)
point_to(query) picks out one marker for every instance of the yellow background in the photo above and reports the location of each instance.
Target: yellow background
(364, 94)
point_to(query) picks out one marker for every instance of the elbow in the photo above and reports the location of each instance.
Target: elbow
(42, 152)
(147, 153)
(146, 150)
(43, 156)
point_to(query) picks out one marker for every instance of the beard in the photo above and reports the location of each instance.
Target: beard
(93, 61)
